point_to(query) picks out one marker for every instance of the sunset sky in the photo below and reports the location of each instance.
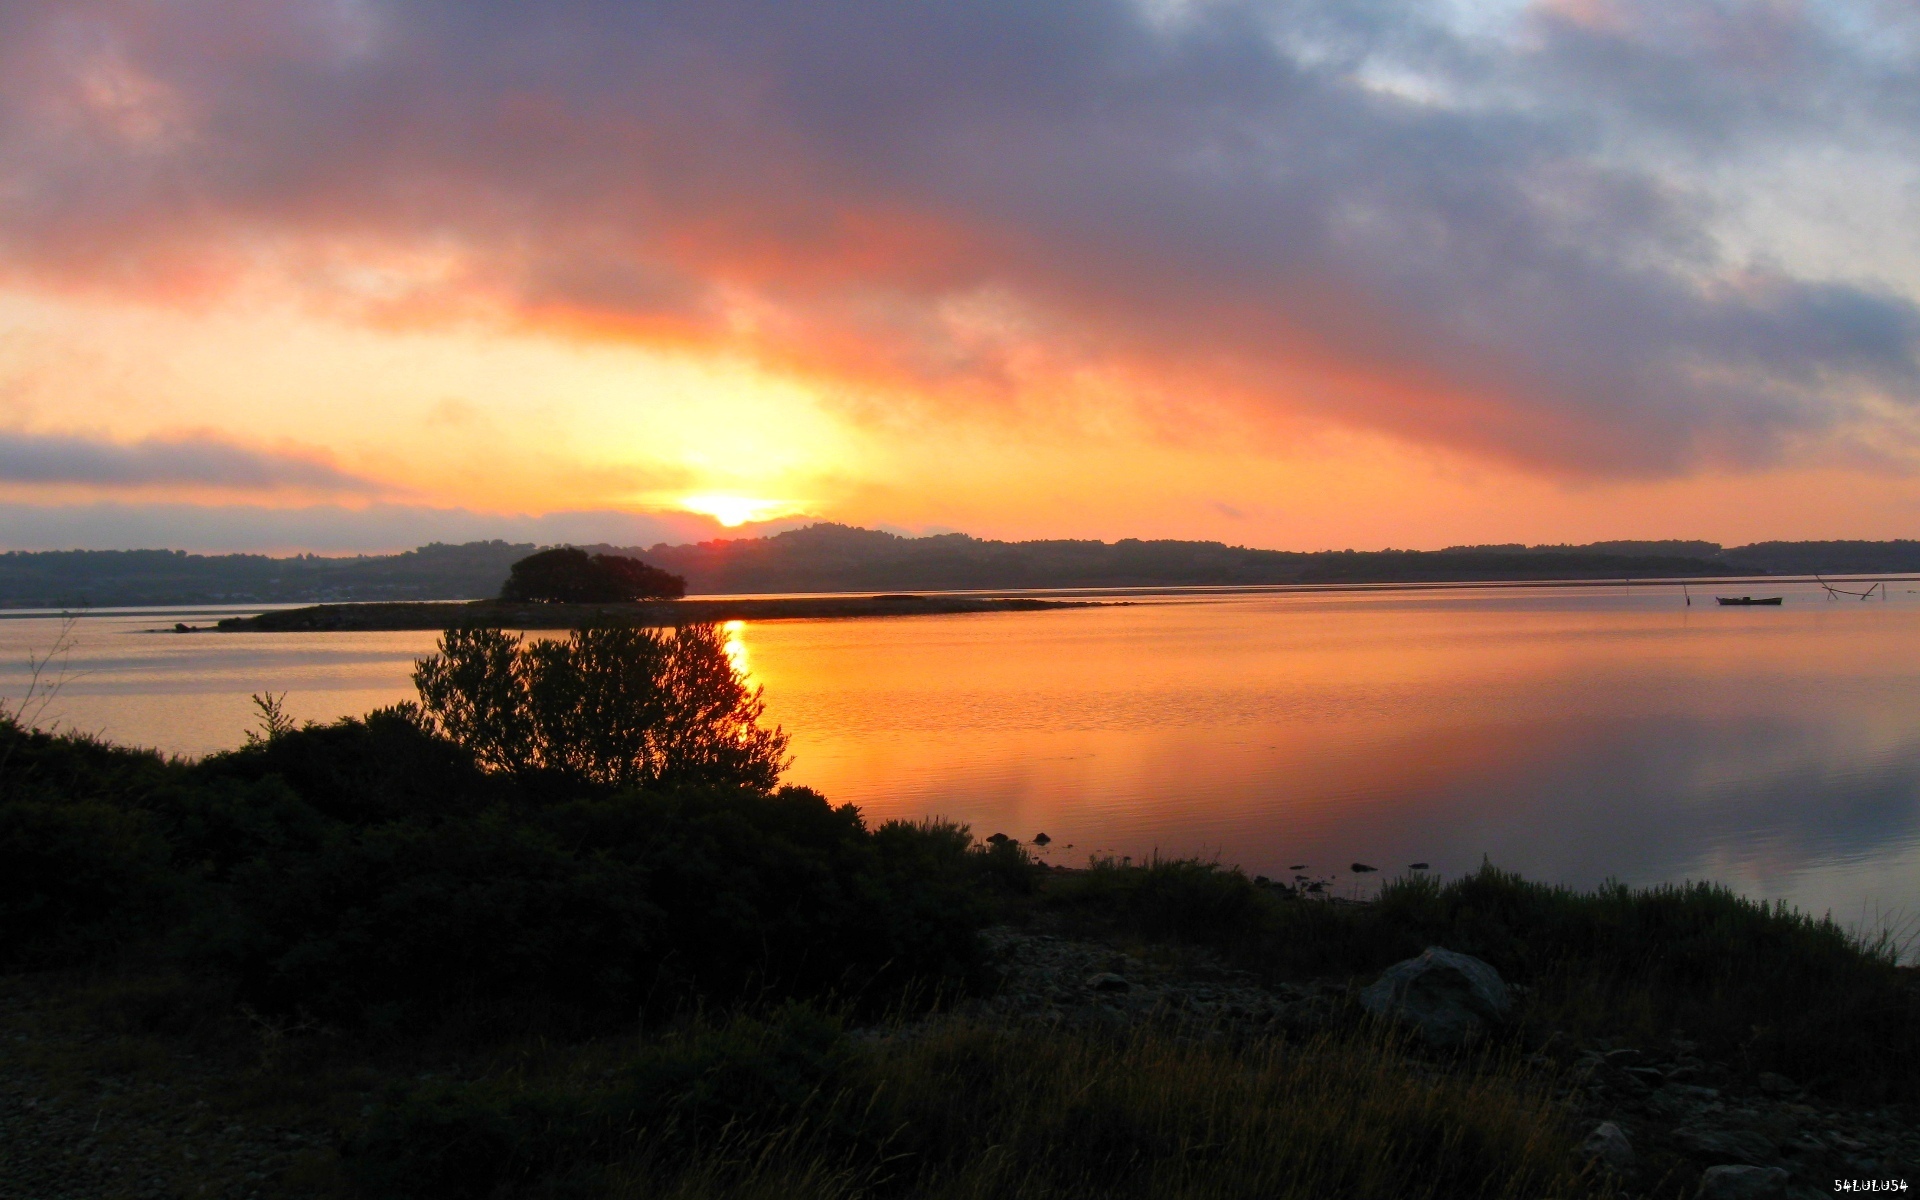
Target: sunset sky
(351, 275)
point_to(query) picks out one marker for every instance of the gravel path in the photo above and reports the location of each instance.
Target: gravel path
(92, 1116)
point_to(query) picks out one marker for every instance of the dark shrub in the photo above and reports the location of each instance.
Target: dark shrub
(708, 1085)
(571, 576)
(401, 924)
(34, 762)
(82, 871)
(78, 879)
(592, 911)
(618, 706)
(385, 767)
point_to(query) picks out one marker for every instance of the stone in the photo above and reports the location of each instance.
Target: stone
(1449, 998)
(1741, 1146)
(1107, 981)
(1743, 1183)
(1609, 1146)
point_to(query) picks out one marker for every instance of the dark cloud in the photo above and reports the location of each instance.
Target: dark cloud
(336, 529)
(1508, 242)
(192, 461)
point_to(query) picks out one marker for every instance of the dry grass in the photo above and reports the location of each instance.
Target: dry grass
(959, 1110)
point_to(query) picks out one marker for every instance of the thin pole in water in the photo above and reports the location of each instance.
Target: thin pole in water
(1687, 594)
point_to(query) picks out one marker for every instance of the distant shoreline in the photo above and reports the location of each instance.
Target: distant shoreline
(865, 604)
(380, 617)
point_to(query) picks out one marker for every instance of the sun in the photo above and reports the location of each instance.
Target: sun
(732, 510)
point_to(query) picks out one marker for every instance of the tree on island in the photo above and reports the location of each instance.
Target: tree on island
(569, 575)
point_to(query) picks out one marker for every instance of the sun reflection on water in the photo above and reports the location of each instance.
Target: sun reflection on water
(735, 644)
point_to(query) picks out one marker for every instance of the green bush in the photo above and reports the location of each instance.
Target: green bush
(387, 766)
(83, 871)
(594, 910)
(78, 880)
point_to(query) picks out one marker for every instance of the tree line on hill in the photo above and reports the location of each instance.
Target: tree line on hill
(840, 558)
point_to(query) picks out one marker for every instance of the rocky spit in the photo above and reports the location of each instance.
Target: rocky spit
(93, 1115)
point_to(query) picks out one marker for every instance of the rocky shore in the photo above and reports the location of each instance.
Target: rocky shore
(1658, 1121)
(93, 1108)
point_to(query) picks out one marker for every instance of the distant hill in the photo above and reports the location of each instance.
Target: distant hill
(828, 558)
(841, 558)
(113, 578)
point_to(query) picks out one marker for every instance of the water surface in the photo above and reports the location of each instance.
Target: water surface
(1571, 734)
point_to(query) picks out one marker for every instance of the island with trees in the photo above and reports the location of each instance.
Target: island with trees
(567, 588)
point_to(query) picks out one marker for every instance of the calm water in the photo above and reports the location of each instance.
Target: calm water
(1571, 734)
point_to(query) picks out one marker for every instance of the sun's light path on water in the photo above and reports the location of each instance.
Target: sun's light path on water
(735, 645)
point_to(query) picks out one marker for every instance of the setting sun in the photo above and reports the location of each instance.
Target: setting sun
(738, 510)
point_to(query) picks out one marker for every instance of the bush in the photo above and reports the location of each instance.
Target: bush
(502, 1137)
(571, 576)
(387, 766)
(78, 880)
(618, 706)
(83, 871)
(593, 911)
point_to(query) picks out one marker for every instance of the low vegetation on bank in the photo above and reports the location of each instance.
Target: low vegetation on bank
(557, 930)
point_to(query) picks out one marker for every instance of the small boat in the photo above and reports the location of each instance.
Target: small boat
(1748, 600)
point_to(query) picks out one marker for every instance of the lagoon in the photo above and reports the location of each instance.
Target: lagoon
(1571, 734)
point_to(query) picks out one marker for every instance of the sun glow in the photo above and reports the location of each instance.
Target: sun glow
(737, 510)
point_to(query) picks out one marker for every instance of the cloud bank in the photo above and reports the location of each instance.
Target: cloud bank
(197, 460)
(1528, 232)
(336, 529)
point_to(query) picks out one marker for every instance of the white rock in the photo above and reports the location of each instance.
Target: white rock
(1610, 1147)
(1448, 997)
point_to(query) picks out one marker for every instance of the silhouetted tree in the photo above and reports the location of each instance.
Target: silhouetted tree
(637, 579)
(569, 575)
(619, 706)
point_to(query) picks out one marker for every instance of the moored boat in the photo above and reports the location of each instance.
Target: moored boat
(1749, 600)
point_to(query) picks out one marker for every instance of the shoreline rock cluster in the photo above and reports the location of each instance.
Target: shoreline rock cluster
(1654, 1118)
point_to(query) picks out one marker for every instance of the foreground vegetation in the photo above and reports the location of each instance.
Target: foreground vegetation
(1762, 985)
(557, 931)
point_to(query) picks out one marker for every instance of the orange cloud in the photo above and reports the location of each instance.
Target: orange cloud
(1006, 214)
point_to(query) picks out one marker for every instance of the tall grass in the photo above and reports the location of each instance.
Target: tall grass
(963, 1110)
(1762, 986)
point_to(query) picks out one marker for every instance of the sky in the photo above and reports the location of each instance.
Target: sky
(345, 275)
